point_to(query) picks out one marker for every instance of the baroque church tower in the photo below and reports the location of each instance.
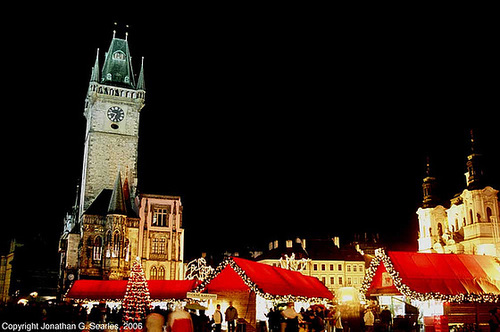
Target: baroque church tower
(470, 224)
(111, 224)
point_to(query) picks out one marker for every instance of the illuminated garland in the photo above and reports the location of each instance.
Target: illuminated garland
(382, 257)
(253, 286)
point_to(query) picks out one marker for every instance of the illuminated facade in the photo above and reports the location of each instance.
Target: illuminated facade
(470, 225)
(320, 258)
(110, 225)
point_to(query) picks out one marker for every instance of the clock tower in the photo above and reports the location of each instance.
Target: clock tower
(112, 108)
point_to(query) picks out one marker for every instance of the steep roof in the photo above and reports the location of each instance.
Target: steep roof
(117, 68)
(117, 203)
(104, 201)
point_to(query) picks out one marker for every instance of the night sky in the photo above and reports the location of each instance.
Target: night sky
(267, 126)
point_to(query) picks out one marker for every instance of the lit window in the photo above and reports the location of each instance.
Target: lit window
(119, 55)
(153, 275)
(160, 217)
(158, 246)
(116, 244)
(96, 253)
(161, 273)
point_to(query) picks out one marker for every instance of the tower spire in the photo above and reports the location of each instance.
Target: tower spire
(474, 175)
(140, 82)
(117, 67)
(429, 188)
(95, 70)
(117, 203)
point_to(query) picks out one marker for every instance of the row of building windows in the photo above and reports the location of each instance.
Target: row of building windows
(340, 281)
(349, 268)
(113, 249)
(114, 245)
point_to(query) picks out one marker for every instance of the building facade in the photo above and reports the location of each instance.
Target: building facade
(469, 223)
(335, 267)
(6, 272)
(110, 225)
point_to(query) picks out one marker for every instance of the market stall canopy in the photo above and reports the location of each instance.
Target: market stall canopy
(267, 281)
(115, 289)
(422, 276)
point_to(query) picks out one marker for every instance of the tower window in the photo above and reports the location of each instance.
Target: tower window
(119, 55)
(160, 217)
(153, 275)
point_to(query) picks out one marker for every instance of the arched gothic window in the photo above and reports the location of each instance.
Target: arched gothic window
(116, 244)
(107, 244)
(161, 273)
(126, 250)
(97, 251)
(153, 274)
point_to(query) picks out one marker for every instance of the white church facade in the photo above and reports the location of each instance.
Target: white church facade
(470, 225)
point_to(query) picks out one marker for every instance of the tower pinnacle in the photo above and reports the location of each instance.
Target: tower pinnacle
(474, 175)
(429, 188)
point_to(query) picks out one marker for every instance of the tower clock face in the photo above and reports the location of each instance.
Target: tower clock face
(116, 114)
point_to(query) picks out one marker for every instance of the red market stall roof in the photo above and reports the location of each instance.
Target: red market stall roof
(423, 276)
(267, 281)
(115, 289)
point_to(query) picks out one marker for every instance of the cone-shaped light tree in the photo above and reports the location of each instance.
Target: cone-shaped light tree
(137, 298)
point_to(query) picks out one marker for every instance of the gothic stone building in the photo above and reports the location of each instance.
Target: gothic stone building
(110, 225)
(469, 223)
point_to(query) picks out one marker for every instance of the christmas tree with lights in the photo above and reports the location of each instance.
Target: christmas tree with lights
(137, 298)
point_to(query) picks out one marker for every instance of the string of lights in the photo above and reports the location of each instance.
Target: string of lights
(253, 287)
(382, 257)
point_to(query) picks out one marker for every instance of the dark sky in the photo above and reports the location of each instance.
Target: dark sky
(266, 125)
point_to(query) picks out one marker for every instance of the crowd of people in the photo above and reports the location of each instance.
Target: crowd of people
(316, 318)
